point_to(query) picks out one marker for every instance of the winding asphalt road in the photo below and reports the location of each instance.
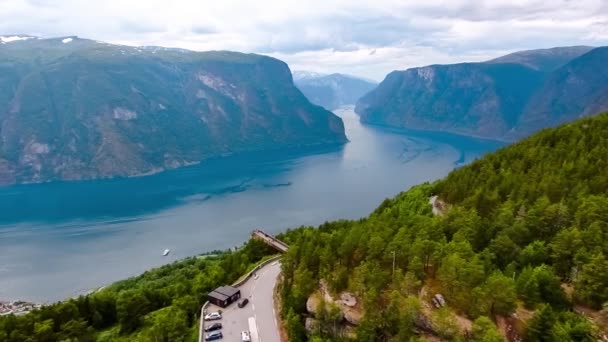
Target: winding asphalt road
(258, 316)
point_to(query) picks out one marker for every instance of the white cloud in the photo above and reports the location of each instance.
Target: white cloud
(368, 38)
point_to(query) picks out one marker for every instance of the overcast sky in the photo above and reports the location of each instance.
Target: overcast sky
(365, 38)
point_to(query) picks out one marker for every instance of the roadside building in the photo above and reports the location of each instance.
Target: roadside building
(224, 296)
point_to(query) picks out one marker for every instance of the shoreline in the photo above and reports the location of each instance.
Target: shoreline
(38, 304)
(18, 307)
(313, 148)
(285, 174)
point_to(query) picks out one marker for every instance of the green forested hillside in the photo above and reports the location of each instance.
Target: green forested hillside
(161, 305)
(523, 229)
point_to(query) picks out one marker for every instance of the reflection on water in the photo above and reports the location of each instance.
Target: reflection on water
(61, 239)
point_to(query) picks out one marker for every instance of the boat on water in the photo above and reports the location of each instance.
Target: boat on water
(166, 252)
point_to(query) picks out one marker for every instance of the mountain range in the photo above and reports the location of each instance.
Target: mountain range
(505, 98)
(73, 108)
(332, 91)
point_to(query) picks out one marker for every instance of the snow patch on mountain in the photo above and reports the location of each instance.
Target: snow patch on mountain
(305, 75)
(9, 39)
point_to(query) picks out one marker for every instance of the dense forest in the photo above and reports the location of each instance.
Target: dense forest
(520, 235)
(160, 305)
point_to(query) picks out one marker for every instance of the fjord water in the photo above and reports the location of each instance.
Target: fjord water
(62, 239)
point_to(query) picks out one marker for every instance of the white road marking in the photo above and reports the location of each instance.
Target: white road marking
(253, 288)
(253, 329)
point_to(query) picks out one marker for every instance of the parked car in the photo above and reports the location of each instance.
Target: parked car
(213, 316)
(215, 335)
(242, 302)
(245, 336)
(214, 326)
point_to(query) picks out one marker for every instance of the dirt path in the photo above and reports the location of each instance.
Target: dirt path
(506, 326)
(596, 317)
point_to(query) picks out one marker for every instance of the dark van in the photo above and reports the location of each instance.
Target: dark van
(243, 302)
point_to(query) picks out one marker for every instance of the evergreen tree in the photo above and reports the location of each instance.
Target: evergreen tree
(540, 326)
(592, 283)
(484, 330)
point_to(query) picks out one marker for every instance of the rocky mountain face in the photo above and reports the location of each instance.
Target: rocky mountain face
(332, 91)
(74, 109)
(505, 98)
(578, 89)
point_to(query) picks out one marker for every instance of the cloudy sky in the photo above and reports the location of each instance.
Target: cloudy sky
(365, 38)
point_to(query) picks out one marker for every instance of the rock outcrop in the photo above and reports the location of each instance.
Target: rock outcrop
(311, 325)
(347, 303)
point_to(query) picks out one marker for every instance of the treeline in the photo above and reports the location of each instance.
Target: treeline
(162, 304)
(520, 226)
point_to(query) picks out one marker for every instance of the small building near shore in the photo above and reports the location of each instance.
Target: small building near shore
(224, 296)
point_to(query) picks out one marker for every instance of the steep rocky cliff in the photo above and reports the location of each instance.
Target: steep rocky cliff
(471, 98)
(578, 89)
(75, 109)
(506, 98)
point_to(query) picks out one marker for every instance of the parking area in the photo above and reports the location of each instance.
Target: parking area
(258, 316)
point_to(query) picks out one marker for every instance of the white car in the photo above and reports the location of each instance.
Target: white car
(245, 336)
(213, 316)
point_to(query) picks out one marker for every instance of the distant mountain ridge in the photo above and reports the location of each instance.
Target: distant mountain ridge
(544, 59)
(299, 75)
(506, 98)
(578, 89)
(332, 91)
(73, 108)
